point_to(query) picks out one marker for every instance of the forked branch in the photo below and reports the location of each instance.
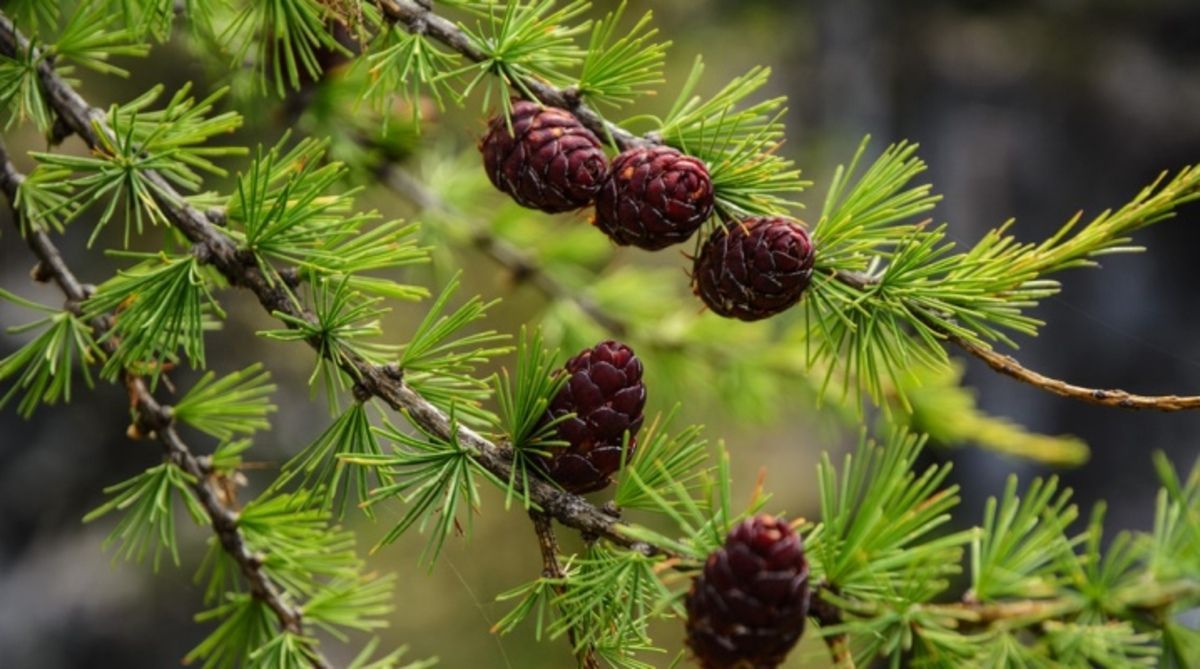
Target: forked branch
(153, 418)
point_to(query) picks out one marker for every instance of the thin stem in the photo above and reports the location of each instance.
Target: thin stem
(218, 249)
(543, 527)
(152, 418)
(418, 18)
(829, 615)
(1008, 366)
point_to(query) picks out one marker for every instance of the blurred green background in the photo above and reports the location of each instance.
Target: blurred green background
(1025, 109)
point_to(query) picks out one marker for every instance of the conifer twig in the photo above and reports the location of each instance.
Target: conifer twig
(1008, 366)
(543, 527)
(417, 17)
(153, 418)
(216, 248)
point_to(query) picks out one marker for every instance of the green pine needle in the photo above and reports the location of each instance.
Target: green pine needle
(235, 404)
(41, 371)
(621, 65)
(323, 465)
(160, 307)
(436, 478)
(345, 321)
(147, 503)
(524, 41)
(246, 625)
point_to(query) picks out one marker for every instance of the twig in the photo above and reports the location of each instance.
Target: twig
(219, 250)
(1008, 366)
(828, 615)
(156, 419)
(543, 527)
(420, 19)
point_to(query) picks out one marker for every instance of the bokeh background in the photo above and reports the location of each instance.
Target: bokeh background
(1031, 110)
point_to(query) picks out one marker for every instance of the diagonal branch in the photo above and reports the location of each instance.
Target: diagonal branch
(543, 527)
(1008, 366)
(216, 248)
(418, 18)
(157, 419)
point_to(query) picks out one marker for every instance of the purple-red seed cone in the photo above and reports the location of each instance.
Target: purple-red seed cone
(746, 609)
(605, 392)
(549, 161)
(754, 269)
(654, 197)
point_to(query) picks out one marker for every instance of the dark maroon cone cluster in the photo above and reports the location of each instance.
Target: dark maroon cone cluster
(746, 610)
(549, 161)
(754, 269)
(607, 396)
(654, 197)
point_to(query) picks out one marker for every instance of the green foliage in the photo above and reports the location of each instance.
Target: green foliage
(435, 477)
(246, 625)
(523, 41)
(44, 201)
(21, 92)
(740, 145)
(620, 66)
(90, 39)
(908, 291)
(874, 516)
(326, 465)
(1022, 542)
(147, 503)
(404, 65)
(441, 358)
(284, 651)
(606, 600)
(161, 305)
(42, 368)
(664, 465)
(284, 39)
(703, 514)
(889, 293)
(235, 404)
(344, 320)
(523, 399)
(32, 15)
(285, 211)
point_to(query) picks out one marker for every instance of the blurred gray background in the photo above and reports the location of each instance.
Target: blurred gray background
(1031, 110)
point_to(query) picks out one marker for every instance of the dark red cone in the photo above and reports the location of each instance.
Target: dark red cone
(754, 269)
(746, 610)
(549, 161)
(654, 197)
(607, 396)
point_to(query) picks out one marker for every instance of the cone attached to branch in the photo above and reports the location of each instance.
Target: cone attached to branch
(754, 269)
(605, 392)
(746, 610)
(654, 197)
(548, 161)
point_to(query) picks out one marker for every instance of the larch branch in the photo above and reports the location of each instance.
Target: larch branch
(543, 527)
(216, 248)
(1008, 366)
(157, 419)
